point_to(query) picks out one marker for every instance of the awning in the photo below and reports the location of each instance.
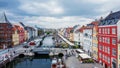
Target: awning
(79, 50)
(84, 56)
(66, 40)
(54, 61)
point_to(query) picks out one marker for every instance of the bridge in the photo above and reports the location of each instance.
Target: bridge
(41, 50)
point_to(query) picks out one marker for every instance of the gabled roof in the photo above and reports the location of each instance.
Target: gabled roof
(115, 15)
(3, 18)
(82, 28)
(111, 19)
(92, 24)
(30, 28)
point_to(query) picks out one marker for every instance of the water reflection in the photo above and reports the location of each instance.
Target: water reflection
(42, 61)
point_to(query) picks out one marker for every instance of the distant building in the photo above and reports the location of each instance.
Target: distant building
(108, 38)
(30, 31)
(69, 33)
(15, 36)
(81, 35)
(76, 34)
(5, 32)
(21, 33)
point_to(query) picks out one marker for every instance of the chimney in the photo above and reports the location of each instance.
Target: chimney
(111, 12)
(101, 18)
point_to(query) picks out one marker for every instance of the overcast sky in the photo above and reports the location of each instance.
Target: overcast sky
(57, 13)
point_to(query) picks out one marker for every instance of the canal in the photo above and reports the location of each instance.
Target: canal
(37, 61)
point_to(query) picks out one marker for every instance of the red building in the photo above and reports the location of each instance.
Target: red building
(5, 32)
(21, 33)
(108, 40)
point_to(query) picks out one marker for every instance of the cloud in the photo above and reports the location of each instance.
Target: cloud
(54, 22)
(37, 7)
(57, 13)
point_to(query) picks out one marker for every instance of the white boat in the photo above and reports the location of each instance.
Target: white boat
(54, 63)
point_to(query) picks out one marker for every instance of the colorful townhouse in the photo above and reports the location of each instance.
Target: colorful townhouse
(87, 43)
(69, 33)
(95, 41)
(118, 52)
(76, 35)
(108, 41)
(15, 36)
(21, 33)
(81, 35)
(5, 32)
(30, 31)
(88, 38)
(71, 38)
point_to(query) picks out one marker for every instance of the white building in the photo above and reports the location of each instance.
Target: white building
(81, 35)
(87, 42)
(76, 34)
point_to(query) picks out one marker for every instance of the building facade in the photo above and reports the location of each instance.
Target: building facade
(95, 41)
(15, 36)
(108, 37)
(81, 35)
(21, 33)
(87, 42)
(76, 34)
(5, 32)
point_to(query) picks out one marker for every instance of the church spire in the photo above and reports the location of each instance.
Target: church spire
(3, 18)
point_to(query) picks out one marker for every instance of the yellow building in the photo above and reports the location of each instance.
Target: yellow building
(15, 37)
(71, 38)
(26, 35)
(95, 43)
(118, 54)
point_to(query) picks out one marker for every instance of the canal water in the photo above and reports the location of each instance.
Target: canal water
(38, 61)
(48, 42)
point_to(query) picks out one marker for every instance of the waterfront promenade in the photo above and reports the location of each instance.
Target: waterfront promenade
(7, 55)
(73, 62)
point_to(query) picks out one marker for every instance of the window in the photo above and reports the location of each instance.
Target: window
(108, 50)
(113, 41)
(99, 30)
(108, 40)
(108, 59)
(100, 39)
(103, 56)
(103, 48)
(100, 55)
(103, 30)
(100, 47)
(105, 40)
(113, 30)
(108, 31)
(114, 52)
